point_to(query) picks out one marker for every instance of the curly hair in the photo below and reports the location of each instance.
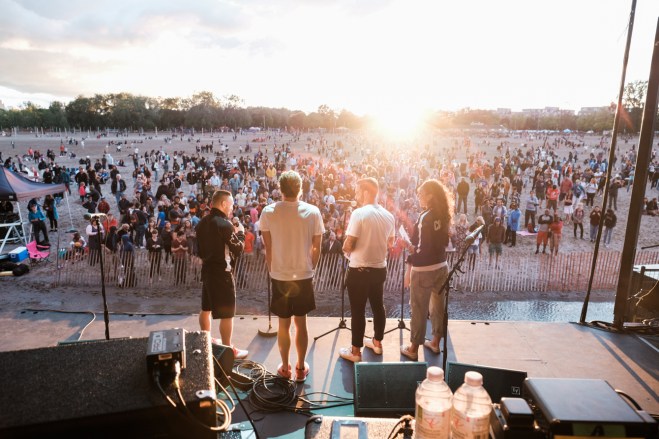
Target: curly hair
(440, 199)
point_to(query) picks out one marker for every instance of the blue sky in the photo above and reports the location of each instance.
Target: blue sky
(363, 55)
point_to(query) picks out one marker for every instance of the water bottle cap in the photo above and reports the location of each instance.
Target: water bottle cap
(435, 373)
(473, 378)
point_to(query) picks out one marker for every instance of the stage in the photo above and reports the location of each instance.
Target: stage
(560, 350)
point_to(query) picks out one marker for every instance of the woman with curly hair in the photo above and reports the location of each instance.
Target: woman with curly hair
(427, 268)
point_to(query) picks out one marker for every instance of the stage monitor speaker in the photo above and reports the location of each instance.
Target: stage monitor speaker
(224, 356)
(102, 389)
(387, 390)
(497, 382)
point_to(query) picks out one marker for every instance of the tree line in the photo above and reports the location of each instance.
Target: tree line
(125, 111)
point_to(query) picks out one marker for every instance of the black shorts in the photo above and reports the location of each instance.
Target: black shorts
(218, 293)
(292, 298)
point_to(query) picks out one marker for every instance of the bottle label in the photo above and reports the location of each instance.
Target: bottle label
(432, 425)
(469, 427)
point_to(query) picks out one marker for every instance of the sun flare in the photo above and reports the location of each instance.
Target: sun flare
(398, 123)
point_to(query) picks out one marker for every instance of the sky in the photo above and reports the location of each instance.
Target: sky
(366, 56)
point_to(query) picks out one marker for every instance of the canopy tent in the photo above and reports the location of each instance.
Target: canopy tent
(15, 187)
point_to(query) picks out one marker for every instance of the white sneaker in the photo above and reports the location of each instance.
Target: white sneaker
(240, 354)
(346, 354)
(370, 345)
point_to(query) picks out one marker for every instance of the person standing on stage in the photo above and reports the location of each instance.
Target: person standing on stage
(292, 231)
(219, 244)
(370, 233)
(427, 268)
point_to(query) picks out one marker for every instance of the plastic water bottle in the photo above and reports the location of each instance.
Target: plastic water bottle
(433, 406)
(470, 416)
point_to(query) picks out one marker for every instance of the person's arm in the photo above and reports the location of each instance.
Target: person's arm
(267, 243)
(315, 250)
(349, 244)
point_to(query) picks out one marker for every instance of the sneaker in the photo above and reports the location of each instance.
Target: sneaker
(240, 354)
(284, 373)
(346, 354)
(301, 374)
(405, 350)
(433, 349)
(216, 341)
(370, 345)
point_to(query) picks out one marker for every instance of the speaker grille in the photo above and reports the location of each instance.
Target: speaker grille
(387, 389)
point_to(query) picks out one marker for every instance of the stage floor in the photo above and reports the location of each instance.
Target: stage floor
(559, 350)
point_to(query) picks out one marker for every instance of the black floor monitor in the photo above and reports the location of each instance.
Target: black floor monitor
(498, 382)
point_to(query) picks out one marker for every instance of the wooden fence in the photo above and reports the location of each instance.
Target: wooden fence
(520, 273)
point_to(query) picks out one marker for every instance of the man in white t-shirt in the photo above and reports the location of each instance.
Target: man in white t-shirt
(292, 231)
(369, 235)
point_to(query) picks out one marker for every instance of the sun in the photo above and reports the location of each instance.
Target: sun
(398, 124)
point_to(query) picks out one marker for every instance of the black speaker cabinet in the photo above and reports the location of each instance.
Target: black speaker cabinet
(497, 382)
(102, 389)
(224, 356)
(387, 390)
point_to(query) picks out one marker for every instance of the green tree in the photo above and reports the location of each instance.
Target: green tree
(633, 101)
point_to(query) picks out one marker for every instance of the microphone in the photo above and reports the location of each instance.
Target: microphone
(470, 238)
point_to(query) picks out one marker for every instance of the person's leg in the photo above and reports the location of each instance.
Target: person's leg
(581, 230)
(575, 230)
(358, 295)
(437, 304)
(226, 330)
(205, 320)
(301, 340)
(420, 289)
(375, 298)
(284, 341)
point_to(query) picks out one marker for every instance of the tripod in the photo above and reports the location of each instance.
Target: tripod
(401, 322)
(344, 272)
(342, 322)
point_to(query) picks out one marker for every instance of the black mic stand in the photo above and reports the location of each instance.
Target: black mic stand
(106, 316)
(344, 271)
(446, 287)
(401, 322)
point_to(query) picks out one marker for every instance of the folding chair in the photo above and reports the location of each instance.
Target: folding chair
(36, 253)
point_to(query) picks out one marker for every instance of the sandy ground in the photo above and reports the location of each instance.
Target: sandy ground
(36, 290)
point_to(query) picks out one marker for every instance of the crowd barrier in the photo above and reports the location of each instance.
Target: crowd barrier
(520, 273)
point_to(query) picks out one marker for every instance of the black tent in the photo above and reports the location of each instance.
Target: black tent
(15, 187)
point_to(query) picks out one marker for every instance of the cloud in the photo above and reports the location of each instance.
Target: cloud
(56, 24)
(44, 72)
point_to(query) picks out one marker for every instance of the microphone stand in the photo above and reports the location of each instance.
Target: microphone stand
(106, 316)
(401, 322)
(344, 271)
(447, 287)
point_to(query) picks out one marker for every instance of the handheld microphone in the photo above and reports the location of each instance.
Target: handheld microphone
(470, 238)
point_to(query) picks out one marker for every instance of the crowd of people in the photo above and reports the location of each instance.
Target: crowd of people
(349, 193)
